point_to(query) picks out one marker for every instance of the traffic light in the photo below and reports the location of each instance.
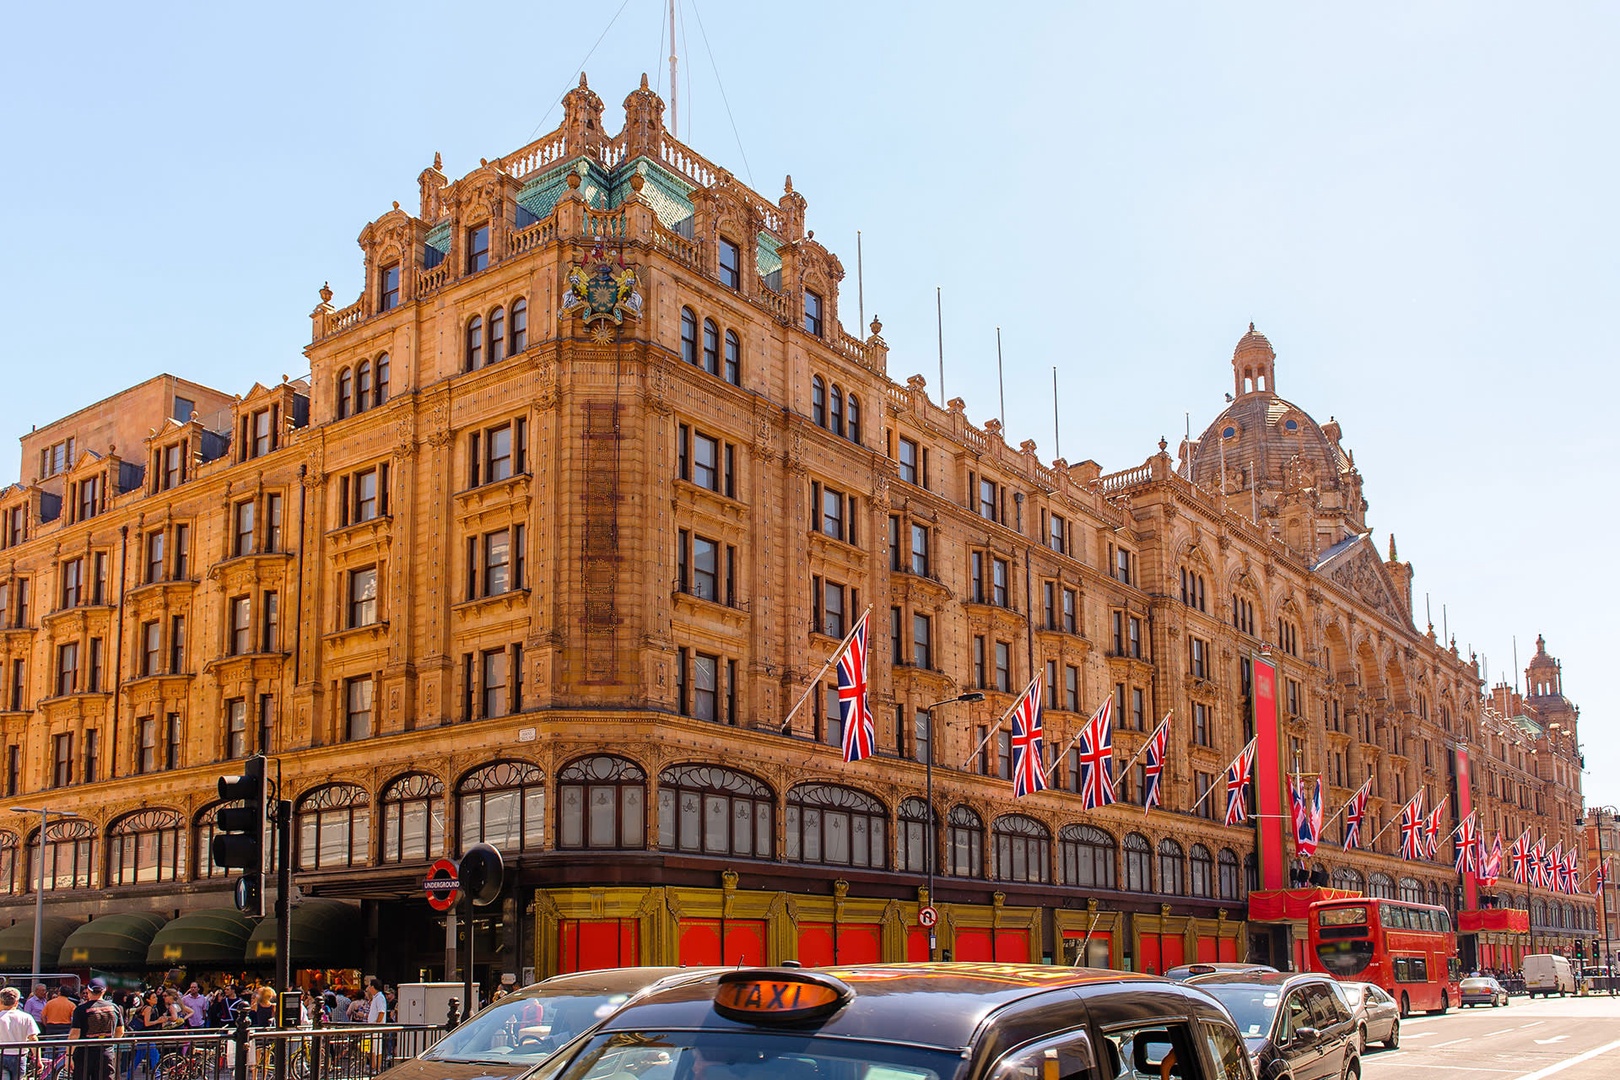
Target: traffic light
(239, 833)
(1580, 949)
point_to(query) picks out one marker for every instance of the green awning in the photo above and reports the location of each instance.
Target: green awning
(17, 942)
(112, 942)
(325, 933)
(215, 936)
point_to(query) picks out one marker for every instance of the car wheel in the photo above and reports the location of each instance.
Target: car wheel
(1352, 1069)
(1406, 1005)
(1394, 1040)
(1361, 1039)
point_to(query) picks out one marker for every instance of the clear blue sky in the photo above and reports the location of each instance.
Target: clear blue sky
(1415, 202)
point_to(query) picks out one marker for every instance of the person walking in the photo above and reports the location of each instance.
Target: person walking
(197, 1001)
(36, 1002)
(56, 1017)
(16, 1026)
(376, 1013)
(95, 1020)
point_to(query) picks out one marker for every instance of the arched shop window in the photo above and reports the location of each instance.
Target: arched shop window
(964, 843)
(146, 846)
(334, 827)
(1023, 849)
(834, 825)
(413, 818)
(715, 811)
(504, 804)
(601, 803)
(1087, 854)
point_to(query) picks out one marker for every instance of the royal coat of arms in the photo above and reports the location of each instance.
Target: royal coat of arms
(602, 295)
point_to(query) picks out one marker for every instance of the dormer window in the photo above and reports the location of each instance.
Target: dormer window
(1291, 426)
(264, 436)
(174, 467)
(1229, 432)
(812, 312)
(730, 264)
(89, 497)
(388, 288)
(477, 248)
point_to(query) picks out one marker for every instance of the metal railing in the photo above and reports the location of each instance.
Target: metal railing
(335, 1052)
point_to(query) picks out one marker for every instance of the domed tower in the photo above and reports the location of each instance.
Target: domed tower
(1269, 459)
(1544, 689)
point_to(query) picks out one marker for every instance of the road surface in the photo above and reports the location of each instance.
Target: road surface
(1567, 1038)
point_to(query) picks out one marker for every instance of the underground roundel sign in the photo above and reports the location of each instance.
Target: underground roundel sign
(443, 886)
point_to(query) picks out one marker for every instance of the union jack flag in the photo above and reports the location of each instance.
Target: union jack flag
(1538, 864)
(1097, 757)
(1412, 845)
(1467, 853)
(1153, 771)
(1355, 812)
(1307, 816)
(1431, 828)
(1572, 872)
(1520, 855)
(1490, 866)
(1029, 772)
(1555, 868)
(859, 733)
(1238, 775)
(1600, 878)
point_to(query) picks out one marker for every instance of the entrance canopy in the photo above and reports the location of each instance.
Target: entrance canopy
(17, 942)
(1290, 905)
(112, 942)
(325, 933)
(213, 937)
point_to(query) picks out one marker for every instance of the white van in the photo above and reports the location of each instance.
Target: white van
(1548, 973)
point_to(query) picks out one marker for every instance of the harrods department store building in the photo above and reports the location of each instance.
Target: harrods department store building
(579, 495)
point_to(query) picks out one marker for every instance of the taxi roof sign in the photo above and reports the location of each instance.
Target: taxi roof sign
(777, 996)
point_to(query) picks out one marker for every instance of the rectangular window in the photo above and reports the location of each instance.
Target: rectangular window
(62, 760)
(19, 684)
(146, 759)
(910, 461)
(1200, 718)
(236, 740)
(980, 674)
(89, 497)
(812, 312)
(272, 521)
(13, 526)
(357, 708)
(700, 674)
(999, 582)
(832, 609)
(1116, 620)
(922, 737)
(269, 622)
(182, 552)
(364, 495)
(171, 755)
(388, 292)
(267, 723)
(1120, 564)
(477, 250)
(1138, 709)
(919, 549)
(1071, 688)
(1198, 658)
(264, 433)
(503, 453)
(362, 596)
(72, 583)
(497, 562)
(1071, 622)
(730, 264)
(1004, 754)
(98, 578)
(67, 668)
(1003, 667)
(241, 640)
(922, 639)
(989, 500)
(151, 646)
(492, 683)
(93, 681)
(1134, 627)
(705, 579)
(154, 556)
(1201, 785)
(242, 534)
(177, 644)
(1057, 538)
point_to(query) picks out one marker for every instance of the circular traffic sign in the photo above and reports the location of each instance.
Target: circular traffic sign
(442, 886)
(928, 916)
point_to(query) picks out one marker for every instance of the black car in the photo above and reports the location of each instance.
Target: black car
(962, 1021)
(1297, 1026)
(1188, 972)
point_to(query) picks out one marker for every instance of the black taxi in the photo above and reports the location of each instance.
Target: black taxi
(953, 1021)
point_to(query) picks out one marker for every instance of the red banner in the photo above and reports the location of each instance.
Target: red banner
(1287, 905)
(1268, 778)
(1465, 806)
(1502, 920)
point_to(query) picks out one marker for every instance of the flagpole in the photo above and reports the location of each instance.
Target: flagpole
(1346, 805)
(1000, 723)
(1143, 750)
(787, 725)
(1068, 745)
(1211, 789)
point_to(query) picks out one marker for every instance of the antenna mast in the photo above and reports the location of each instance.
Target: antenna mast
(674, 86)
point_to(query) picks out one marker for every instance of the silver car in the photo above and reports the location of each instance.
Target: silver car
(1378, 1016)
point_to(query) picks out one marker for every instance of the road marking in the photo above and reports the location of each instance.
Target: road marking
(1488, 1034)
(1554, 1039)
(1571, 1062)
(1421, 1034)
(1454, 1069)
(1532, 1023)
(1453, 1042)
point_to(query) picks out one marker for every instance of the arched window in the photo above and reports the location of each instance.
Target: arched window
(1251, 874)
(334, 827)
(1411, 891)
(913, 838)
(1087, 856)
(475, 343)
(1538, 913)
(733, 373)
(362, 387)
(148, 845)
(964, 843)
(835, 825)
(497, 335)
(1349, 880)
(1227, 874)
(835, 414)
(711, 347)
(818, 401)
(1023, 849)
(1172, 870)
(413, 818)
(689, 348)
(382, 380)
(504, 804)
(601, 803)
(70, 855)
(345, 397)
(1138, 863)
(1382, 886)
(1202, 871)
(715, 811)
(520, 325)
(854, 428)
(8, 864)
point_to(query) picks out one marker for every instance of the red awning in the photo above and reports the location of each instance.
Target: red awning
(1508, 920)
(1288, 905)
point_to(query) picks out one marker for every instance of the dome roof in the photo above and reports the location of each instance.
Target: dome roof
(1254, 347)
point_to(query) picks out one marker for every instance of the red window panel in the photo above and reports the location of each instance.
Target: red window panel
(592, 944)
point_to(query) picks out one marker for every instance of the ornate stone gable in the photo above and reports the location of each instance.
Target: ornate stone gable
(1358, 570)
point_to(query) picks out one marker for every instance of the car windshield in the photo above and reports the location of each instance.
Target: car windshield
(1476, 984)
(754, 1055)
(527, 1028)
(1251, 1006)
(1352, 993)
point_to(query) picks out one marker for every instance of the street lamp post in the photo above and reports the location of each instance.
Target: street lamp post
(933, 818)
(39, 878)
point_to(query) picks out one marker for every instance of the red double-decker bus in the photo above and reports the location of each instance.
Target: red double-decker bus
(1408, 949)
